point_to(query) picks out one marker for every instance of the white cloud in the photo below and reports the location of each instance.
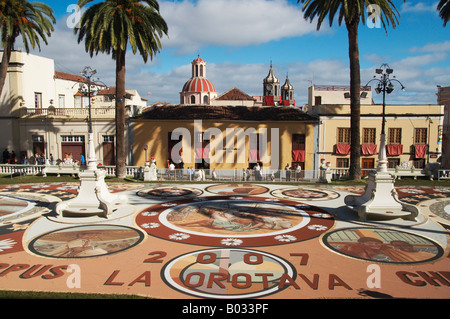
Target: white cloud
(427, 6)
(433, 47)
(230, 22)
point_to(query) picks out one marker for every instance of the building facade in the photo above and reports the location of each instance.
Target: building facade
(225, 137)
(413, 132)
(44, 113)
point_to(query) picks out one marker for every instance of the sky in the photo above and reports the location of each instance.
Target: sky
(239, 39)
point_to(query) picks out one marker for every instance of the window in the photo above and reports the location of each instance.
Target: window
(420, 136)
(72, 139)
(342, 162)
(369, 136)
(61, 101)
(108, 138)
(38, 139)
(317, 100)
(37, 100)
(205, 99)
(77, 101)
(343, 136)
(393, 162)
(85, 102)
(395, 136)
(192, 99)
(419, 163)
(298, 142)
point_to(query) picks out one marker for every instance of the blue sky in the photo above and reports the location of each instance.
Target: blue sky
(239, 38)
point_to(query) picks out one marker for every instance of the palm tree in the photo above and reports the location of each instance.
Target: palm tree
(32, 21)
(352, 12)
(109, 27)
(444, 10)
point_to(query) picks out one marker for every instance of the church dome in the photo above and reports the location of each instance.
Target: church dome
(198, 89)
(198, 84)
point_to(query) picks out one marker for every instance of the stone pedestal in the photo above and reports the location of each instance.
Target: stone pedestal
(93, 199)
(380, 200)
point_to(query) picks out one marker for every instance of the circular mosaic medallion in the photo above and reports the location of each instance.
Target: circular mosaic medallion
(382, 245)
(237, 189)
(85, 241)
(302, 193)
(234, 221)
(227, 273)
(171, 192)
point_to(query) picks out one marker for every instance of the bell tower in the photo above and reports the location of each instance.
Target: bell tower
(287, 93)
(271, 88)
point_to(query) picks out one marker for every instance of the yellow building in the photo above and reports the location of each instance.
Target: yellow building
(413, 132)
(224, 137)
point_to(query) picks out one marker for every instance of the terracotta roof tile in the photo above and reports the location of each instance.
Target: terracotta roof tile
(239, 113)
(235, 95)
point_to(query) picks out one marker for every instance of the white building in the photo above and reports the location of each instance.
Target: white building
(43, 112)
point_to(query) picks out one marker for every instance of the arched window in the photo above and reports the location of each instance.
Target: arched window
(201, 70)
(192, 99)
(205, 99)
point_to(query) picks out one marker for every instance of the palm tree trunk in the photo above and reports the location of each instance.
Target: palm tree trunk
(5, 63)
(355, 102)
(120, 114)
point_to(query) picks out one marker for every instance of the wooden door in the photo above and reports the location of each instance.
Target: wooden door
(367, 163)
(108, 154)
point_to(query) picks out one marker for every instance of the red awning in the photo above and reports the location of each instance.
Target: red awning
(202, 152)
(298, 155)
(369, 149)
(253, 156)
(420, 150)
(394, 149)
(343, 149)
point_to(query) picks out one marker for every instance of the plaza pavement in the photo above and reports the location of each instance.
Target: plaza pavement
(218, 241)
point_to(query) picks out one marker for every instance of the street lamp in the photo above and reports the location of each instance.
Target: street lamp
(93, 199)
(380, 200)
(92, 89)
(385, 86)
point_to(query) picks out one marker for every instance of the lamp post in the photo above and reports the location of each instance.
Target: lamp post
(93, 199)
(91, 89)
(385, 86)
(380, 200)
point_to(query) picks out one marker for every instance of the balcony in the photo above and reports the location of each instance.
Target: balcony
(97, 112)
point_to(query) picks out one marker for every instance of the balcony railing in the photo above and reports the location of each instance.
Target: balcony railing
(70, 112)
(163, 174)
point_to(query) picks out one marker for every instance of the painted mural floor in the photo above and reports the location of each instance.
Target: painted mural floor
(225, 241)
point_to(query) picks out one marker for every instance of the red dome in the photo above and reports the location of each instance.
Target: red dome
(199, 85)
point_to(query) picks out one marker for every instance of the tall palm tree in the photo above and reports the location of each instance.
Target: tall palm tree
(109, 27)
(444, 10)
(32, 21)
(351, 12)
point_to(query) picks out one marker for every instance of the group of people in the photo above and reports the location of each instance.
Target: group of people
(294, 172)
(9, 158)
(40, 159)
